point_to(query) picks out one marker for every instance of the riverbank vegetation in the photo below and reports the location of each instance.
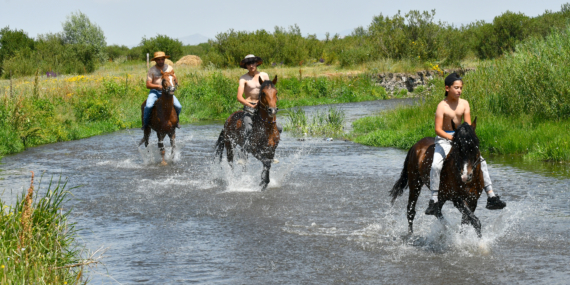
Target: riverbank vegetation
(38, 110)
(327, 123)
(522, 102)
(38, 244)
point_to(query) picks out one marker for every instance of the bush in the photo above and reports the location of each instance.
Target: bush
(11, 41)
(116, 51)
(199, 50)
(52, 54)
(171, 47)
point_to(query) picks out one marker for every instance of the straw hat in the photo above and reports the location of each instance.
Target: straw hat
(160, 54)
(249, 59)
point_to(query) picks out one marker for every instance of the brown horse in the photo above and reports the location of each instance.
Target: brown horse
(163, 118)
(461, 176)
(264, 136)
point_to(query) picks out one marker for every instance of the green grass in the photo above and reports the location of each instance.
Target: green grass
(522, 102)
(322, 123)
(43, 255)
(46, 110)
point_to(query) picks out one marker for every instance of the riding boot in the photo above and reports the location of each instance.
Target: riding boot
(495, 203)
(433, 208)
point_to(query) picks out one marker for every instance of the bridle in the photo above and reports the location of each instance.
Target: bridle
(260, 102)
(171, 88)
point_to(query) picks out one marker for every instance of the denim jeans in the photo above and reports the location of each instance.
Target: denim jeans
(248, 121)
(153, 95)
(442, 148)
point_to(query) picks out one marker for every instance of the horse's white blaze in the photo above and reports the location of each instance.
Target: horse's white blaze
(170, 78)
(464, 174)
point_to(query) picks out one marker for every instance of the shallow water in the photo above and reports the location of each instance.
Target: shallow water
(326, 217)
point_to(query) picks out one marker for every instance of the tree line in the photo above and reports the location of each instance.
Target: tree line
(416, 35)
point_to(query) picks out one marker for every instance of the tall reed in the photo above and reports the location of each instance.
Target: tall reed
(38, 244)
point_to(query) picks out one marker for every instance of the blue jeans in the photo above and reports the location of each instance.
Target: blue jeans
(152, 97)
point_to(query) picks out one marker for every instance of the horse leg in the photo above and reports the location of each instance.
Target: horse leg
(265, 174)
(146, 135)
(415, 189)
(438, 214)
(230, 153)
(468, 215)
(172, 142)
(161, 146)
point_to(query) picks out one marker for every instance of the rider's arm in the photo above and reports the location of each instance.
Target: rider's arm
(439, 123)
(149, 83)
(240, 98)
(467, 114)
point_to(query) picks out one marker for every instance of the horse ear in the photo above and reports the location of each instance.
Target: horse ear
(453, 125)
(275, 80)
(474, 124)
(161, 72)
(260, 80)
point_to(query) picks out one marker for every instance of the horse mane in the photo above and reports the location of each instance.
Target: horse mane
(465, 140)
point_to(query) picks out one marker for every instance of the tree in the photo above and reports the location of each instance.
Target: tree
(12, 41)
(78, 29)
(171, 47)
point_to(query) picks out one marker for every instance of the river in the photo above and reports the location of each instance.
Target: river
(326, 217)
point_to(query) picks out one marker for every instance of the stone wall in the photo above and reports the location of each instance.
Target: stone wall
(397, 81)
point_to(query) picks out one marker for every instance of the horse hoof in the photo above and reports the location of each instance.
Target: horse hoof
(241, 161)
(164, 163)
(275, 161)
(263, 187)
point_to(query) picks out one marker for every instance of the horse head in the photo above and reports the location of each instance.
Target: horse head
(268, 96)
(169, 82)
(466, 155)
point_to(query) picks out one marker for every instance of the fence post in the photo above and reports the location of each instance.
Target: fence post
(126, 84)
(11, 90)
(147, 62)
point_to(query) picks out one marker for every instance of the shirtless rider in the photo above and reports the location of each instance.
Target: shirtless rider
(454, 108)
(248, 92)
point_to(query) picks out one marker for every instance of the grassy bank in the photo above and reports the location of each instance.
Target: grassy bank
(39, 110)
(522, 102)
(38, 243)
(321, 123)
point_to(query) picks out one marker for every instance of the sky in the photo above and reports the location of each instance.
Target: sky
(125, 22)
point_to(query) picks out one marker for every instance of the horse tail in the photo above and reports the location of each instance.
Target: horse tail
(220, 146)
(402, 183)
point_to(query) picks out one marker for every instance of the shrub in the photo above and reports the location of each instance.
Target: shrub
(171, 47)
(11, 41)
(116, 51)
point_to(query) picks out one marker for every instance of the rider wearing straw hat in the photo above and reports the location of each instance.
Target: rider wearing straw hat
(154, 83)
(248, 91)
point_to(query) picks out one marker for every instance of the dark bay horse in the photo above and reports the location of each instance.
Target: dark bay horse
(163, 118)
(461, 176)
(264, 136)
